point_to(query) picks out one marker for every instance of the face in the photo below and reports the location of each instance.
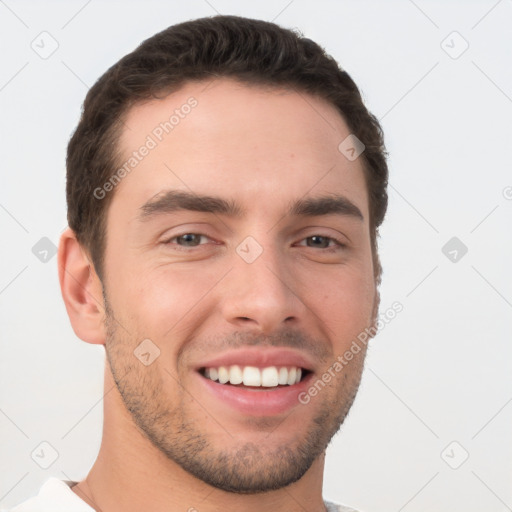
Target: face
(238, 248)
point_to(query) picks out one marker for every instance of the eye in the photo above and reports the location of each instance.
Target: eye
(323, 242)
(187, 240)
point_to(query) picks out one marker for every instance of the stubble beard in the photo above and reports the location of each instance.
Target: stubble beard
(244, 468)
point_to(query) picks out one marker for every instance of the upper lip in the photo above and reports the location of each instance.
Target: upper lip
(260, 358)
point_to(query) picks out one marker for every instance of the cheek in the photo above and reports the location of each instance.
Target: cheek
(160, 301)
(345, 304)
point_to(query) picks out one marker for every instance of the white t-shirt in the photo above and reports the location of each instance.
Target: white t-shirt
(56, 496)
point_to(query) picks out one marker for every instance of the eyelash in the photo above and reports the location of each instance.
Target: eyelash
(338, 243)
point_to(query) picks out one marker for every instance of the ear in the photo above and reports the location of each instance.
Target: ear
(81, 290)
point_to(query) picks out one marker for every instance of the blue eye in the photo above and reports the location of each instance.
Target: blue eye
(323, 242)
(318, 241)
(191, 240)
(186, 240)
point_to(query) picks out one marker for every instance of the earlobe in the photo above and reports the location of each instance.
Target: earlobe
(81, 290)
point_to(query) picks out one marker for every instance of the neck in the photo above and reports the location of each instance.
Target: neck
(130, 475)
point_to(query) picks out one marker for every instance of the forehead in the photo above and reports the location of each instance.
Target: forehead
(230, 139)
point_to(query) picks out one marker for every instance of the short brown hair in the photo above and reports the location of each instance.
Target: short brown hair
(248, 50)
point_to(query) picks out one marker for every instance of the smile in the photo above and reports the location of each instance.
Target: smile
(252, 376)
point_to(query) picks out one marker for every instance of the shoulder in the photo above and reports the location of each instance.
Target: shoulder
(335, 507)
(54, 496)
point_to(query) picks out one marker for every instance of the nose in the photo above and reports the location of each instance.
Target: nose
(261, 295)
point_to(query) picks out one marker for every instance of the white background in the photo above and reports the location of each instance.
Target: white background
(439, 372)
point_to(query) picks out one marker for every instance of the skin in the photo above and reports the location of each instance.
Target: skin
(263, 148)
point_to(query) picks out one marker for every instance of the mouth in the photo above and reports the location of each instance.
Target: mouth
(256, 378)
(255, 382)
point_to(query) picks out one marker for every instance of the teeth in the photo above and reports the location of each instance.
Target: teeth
(252, 376)
(268, 377)
(223, 375)
(236, 375)
(292, 373)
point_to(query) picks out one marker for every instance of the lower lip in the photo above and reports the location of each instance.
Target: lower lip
(257, 402)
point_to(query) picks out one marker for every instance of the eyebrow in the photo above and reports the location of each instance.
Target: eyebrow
(174, 200)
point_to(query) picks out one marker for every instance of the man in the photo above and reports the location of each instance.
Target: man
(225, 186)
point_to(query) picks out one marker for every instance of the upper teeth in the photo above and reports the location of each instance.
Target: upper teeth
(268, 377)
